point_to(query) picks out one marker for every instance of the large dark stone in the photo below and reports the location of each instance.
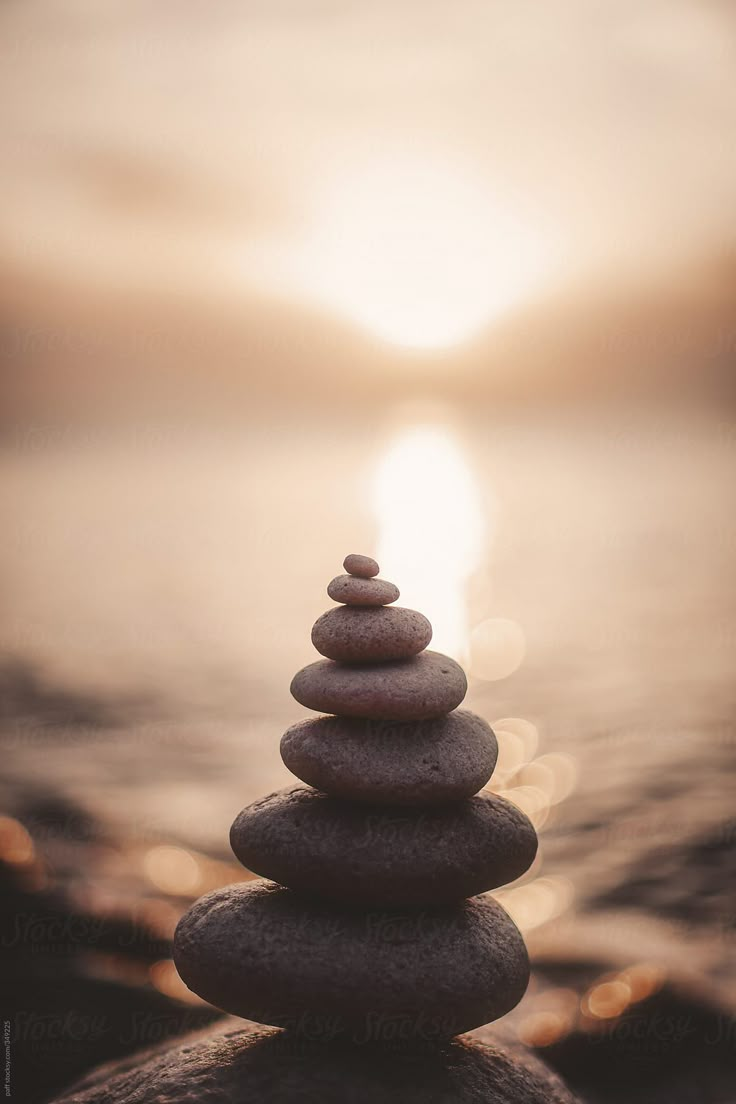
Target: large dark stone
(264, 952)
(374, 855)
(406, 690)
(393, 763)
(265, 1066)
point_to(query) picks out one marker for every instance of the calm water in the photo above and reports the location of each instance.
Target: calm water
(161, 586)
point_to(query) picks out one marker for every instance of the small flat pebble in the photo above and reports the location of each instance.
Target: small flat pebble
(353, 634)
(405, 690)
(377, 856)
(393, 763)
(280, 958)
(362, 566)
(352, 591)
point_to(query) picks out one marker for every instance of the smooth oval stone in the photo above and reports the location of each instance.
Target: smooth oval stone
(352, 591)
(353, 634)
(274, 956)
(405, 690)
(236, 1062)
(382, 856)
(393, 763)
(363, 566)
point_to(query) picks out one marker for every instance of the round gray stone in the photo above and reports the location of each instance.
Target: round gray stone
(404, 690)
(352, 591)
(354, 634)
(363, 566)
(231, 1064)
(377, 856)
(390, 762)
(269, 954)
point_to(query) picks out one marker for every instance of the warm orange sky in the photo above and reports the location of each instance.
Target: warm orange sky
(274, 191)
(201, 139)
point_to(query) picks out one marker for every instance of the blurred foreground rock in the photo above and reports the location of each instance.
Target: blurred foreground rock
(271, 1066)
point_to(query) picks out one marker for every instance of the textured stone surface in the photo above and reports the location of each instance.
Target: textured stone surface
(365, 567)
(269, 954)
(373, 855)
(362, 592)
(247, 1065)
(405, 690)
(389, 762)
(354, 634)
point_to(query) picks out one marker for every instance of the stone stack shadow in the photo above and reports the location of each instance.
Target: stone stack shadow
(369, 928)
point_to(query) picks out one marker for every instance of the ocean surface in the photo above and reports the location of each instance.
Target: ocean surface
(160, 586)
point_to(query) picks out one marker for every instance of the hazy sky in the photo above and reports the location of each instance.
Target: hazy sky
(201, 143)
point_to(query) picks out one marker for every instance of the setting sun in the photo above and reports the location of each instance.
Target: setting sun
(419, 252)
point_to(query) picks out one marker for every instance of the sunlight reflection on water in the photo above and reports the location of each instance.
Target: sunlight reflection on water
(431, 539)
(431, 530)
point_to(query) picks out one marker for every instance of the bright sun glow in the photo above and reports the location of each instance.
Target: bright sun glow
(430, 529)
(419, 252)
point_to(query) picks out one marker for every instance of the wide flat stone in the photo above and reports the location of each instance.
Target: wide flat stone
(405, 690)
(269, 954)
(377, 856)
(389, 762)
(355, 634)
(252, 1065)
(353, 591)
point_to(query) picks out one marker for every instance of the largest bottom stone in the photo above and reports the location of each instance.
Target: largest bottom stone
(266, 953)
(266, 1066)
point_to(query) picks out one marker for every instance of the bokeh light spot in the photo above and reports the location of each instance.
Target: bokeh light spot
(172, 870)
(536, 902)
(555, 774)
(607, 1000)
(16, 845)
(643, 979)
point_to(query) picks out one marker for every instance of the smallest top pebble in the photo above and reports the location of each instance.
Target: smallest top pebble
(362, 566)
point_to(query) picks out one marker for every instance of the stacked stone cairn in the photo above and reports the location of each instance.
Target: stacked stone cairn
(369, 928)
(368, 943)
